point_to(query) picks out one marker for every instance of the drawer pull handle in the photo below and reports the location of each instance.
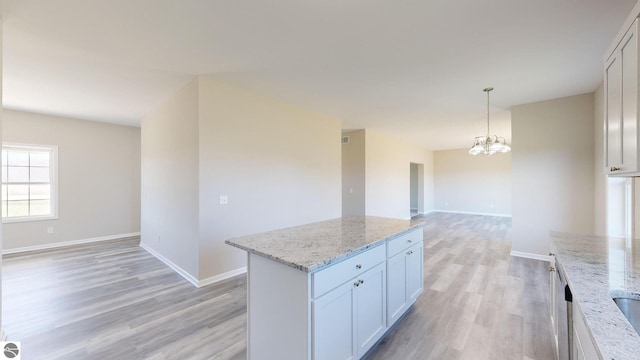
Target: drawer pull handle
(552, 254)
(358, 266)
(552, 269)
(613, 168)
(356, 283)
(409, 252)
(361, 281)
(409, 241)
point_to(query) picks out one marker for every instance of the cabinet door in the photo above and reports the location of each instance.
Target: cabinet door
(583, 348)
(414, 272)
(613, 112)
(621, 103)
(629, 57)
(333, 329)
(577, 353)
(370, 308)
(396, 287)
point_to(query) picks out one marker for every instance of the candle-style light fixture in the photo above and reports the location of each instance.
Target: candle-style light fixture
(489, 144)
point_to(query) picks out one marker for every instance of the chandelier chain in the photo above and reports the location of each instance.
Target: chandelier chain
(488, 90)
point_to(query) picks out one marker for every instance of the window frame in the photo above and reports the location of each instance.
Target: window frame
(53, 177)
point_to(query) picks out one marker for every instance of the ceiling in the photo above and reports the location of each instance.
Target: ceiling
(412, 69)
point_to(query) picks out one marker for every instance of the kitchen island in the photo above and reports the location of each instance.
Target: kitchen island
(597, 270)
(331, 289)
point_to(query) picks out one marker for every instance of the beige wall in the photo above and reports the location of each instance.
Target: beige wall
(353, 174)
(388, 172)
(278, 164)
(552, 171)
(98, 179)
(600, 177)
(169, 223)
(472, 184)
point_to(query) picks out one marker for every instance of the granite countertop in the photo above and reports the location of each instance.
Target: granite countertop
(314, 246)
(598, 268)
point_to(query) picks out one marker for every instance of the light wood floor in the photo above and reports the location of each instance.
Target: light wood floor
(116, 301)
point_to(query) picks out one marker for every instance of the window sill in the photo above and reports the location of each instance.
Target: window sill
(29, 219)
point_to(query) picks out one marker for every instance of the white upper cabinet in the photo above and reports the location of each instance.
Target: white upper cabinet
(621, 105)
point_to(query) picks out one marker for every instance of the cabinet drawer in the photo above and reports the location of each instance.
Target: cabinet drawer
(331, 277)
(404, 242)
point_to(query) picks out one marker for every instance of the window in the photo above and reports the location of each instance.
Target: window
(29, 182)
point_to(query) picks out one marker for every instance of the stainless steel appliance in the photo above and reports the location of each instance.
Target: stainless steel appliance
(564, 316)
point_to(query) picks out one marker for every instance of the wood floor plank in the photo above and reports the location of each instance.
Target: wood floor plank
(113, 300)
(489, 306)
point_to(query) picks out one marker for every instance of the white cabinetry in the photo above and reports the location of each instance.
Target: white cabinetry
(370, 308)
(583, 347)
(336, 313)
(333, 335)
(621, 105)
(348, 320)
(404, 275)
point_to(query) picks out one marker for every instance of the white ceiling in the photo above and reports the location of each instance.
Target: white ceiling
(412, 69)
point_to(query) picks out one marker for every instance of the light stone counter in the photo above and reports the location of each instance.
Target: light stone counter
(315, 246)
(598, 268)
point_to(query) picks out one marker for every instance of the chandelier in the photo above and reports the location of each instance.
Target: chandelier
(489, 144)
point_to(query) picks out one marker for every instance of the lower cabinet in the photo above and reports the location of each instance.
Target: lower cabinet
(337, 313)
(404, 281)
(583, 347)
(414, 273)
(350, 319)
(334, 324)
(370, 309)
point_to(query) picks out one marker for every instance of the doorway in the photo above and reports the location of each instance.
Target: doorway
(416, 186)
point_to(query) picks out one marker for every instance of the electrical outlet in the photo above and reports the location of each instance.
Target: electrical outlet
(223, 200)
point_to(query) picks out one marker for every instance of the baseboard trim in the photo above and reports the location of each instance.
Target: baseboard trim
(3, 336)
(68, 243)
(182, 272)
(472, 213)
(531, 256)
(223, 276)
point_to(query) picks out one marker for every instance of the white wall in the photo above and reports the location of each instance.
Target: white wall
(472, 184)
(278, 164)
(353, 174)
(388, 171)
(552, 171)
(98, 176)
(169, 150)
